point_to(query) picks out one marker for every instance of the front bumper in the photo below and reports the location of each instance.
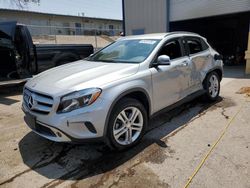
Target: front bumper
(85, 124)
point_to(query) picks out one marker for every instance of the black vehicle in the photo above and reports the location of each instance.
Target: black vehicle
(20, 58)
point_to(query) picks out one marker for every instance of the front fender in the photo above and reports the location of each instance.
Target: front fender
(114, 94)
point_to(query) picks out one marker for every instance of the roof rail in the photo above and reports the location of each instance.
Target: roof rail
(180, 32)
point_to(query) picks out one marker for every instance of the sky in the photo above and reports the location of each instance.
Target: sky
(111, 9)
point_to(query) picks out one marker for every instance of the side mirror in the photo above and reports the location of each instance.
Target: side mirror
(218, 57)
(163, 60)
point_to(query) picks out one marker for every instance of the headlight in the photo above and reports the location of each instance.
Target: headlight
(78, 99)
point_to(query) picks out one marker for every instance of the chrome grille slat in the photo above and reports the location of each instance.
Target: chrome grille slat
(43, 99)
(40, 103)
(42, 108)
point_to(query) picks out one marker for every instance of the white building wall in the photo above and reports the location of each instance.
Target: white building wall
(47, 24)
(147, 15)
(190, 9)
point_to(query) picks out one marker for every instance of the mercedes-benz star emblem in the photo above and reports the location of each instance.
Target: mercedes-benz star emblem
(30, 102)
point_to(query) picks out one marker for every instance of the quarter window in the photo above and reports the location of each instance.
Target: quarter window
(171, 49)
(204, 45)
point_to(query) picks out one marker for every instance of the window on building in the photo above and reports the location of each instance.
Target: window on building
(138, 31)
(77, 25)
(78, 28)
(111, 27)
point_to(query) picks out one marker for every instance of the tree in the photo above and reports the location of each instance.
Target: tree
(21, 4)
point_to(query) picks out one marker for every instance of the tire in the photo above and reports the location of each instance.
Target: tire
(212, 86)
(121, 124)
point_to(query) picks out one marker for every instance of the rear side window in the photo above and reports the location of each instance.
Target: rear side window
(194, 45)
(172, 49)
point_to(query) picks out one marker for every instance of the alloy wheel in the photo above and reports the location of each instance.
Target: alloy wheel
(213, 86)
(128, 125)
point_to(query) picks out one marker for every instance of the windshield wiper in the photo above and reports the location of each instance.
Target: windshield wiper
(113, 61)
(106, 61)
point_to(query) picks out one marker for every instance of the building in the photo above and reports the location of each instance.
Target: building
(53, 24)
(145, 16)
(225, 23)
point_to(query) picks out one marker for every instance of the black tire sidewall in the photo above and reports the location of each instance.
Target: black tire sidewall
(121, 105)
(206, 86)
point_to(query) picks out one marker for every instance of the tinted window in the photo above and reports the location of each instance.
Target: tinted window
(172, 49)
(194, 45)
(204, 44)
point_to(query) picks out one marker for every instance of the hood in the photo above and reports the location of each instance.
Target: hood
(7, 30)
(80, 75)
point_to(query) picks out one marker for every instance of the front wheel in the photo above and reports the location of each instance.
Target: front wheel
(212, 86)
(127, 123)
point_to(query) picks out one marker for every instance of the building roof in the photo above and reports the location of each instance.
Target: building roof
(51, 14)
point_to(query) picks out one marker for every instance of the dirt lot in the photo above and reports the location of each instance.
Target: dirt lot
(197, 145)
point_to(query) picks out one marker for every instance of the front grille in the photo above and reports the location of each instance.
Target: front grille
(37, 102)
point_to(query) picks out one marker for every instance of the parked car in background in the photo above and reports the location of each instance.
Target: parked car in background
(111, 95)
(20, 58)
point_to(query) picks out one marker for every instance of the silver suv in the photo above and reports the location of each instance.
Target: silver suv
(111, 95)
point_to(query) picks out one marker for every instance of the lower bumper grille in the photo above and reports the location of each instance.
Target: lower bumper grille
(44, 130)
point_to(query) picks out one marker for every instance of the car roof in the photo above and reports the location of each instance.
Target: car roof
(160, 36)
(147, 36)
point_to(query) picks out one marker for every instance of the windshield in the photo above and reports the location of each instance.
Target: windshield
(126, 51)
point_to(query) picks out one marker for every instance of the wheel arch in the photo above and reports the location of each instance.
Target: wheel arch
(139, 94)
(218, 70)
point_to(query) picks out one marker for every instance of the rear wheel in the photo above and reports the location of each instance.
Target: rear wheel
(212, 86)
(127, 123)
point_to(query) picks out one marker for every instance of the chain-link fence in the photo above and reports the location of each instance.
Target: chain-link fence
(99, 38)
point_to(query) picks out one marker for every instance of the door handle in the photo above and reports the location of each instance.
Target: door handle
(184, 63)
